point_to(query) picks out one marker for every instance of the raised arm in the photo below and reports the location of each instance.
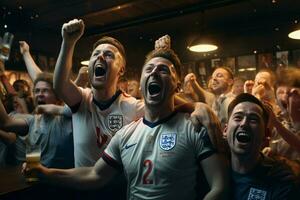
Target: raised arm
(9, 124)
(7, 137)
(81, 178)
(32, 68)
(63, 86)
(217, 174)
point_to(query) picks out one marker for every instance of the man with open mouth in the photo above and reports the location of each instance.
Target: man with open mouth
(159, 153)
(254, 176)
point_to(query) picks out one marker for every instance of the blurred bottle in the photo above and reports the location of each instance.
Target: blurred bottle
(6, 45)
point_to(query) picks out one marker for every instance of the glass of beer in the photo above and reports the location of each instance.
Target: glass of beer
(33, 157)
(6, 45)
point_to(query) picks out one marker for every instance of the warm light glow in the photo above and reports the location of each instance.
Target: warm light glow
(247, 69)
(251, 69)
(203, 48)
(85, 62)
(295, 35)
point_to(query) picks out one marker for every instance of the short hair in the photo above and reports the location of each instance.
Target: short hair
(112, 41)
(246, 97)
(272, 75)
(44, 76)
(227, 69)
(168, 54)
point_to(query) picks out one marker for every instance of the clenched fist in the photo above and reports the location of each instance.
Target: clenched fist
(73, 30)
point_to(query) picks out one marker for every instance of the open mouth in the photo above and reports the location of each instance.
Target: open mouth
(154, 88)
(40, 102)
(99, 71)
(243, 137)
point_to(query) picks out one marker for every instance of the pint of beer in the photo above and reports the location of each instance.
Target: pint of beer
(33, 157)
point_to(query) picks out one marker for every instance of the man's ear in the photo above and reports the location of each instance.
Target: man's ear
(225, 130)
(122, 71)
(178, 87)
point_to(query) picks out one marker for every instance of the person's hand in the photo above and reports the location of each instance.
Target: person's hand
(28, 169)
(259, 91)
(83, 77)
(204, 116)
(190, 77)
(163, 42)
(248, 85)
(73, 30)
(24, 47)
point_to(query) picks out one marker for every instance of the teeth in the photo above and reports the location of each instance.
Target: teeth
(243, 137)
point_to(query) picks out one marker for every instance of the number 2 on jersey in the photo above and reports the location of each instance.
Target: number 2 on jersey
(148, 164)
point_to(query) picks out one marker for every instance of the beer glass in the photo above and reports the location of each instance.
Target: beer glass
(33, 157)
(6, 45)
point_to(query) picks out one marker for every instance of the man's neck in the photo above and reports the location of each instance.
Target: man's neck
(156, 113)
(104, 94)
(222, 93)
(244, 164)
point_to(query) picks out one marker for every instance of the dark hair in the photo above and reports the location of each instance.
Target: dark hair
(168, 54)
(44, 76)
(246, 97)
(227, 69)
(112, 41)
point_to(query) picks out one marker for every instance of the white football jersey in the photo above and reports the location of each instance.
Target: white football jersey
(161, 159)
(94, 128)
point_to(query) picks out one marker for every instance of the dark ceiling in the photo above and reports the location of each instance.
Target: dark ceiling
(238, 26)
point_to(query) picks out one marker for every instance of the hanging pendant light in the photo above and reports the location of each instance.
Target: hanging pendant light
(295, 34)
(203, 43)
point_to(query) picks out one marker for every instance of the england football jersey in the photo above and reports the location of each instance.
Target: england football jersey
(94, 126)
(160, 160)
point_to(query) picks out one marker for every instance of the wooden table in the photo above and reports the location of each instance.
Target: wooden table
(11, 180)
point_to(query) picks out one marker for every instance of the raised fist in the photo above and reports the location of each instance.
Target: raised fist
(73, 30)
(24, 47)
(163, 42)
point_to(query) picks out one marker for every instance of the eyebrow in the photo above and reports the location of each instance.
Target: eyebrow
(249, 114)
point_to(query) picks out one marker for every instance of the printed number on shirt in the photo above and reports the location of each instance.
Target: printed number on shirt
(149, 166)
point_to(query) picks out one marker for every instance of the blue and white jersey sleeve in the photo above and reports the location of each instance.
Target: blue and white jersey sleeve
(112, 154)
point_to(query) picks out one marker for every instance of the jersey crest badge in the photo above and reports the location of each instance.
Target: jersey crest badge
(256, 194)
(167, 141)
(115, 122)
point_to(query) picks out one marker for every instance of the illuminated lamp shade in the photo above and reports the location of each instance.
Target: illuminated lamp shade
(295, 34)
(203, 44)
(203, 47)
(85, 62)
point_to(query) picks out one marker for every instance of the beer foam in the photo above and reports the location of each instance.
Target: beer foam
(33, 157)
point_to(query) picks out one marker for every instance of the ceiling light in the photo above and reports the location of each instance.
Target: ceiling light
(5, 26)
(251, 69)
(85, 62)
(203, 47)
(295, 34)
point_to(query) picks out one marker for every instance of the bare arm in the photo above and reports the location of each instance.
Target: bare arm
(203, 95)
(64, 87)
(78, 178)
(292, 139)
(49, 109)
(7, 137)
(9, 124)
(217, 175)
(31, 66)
